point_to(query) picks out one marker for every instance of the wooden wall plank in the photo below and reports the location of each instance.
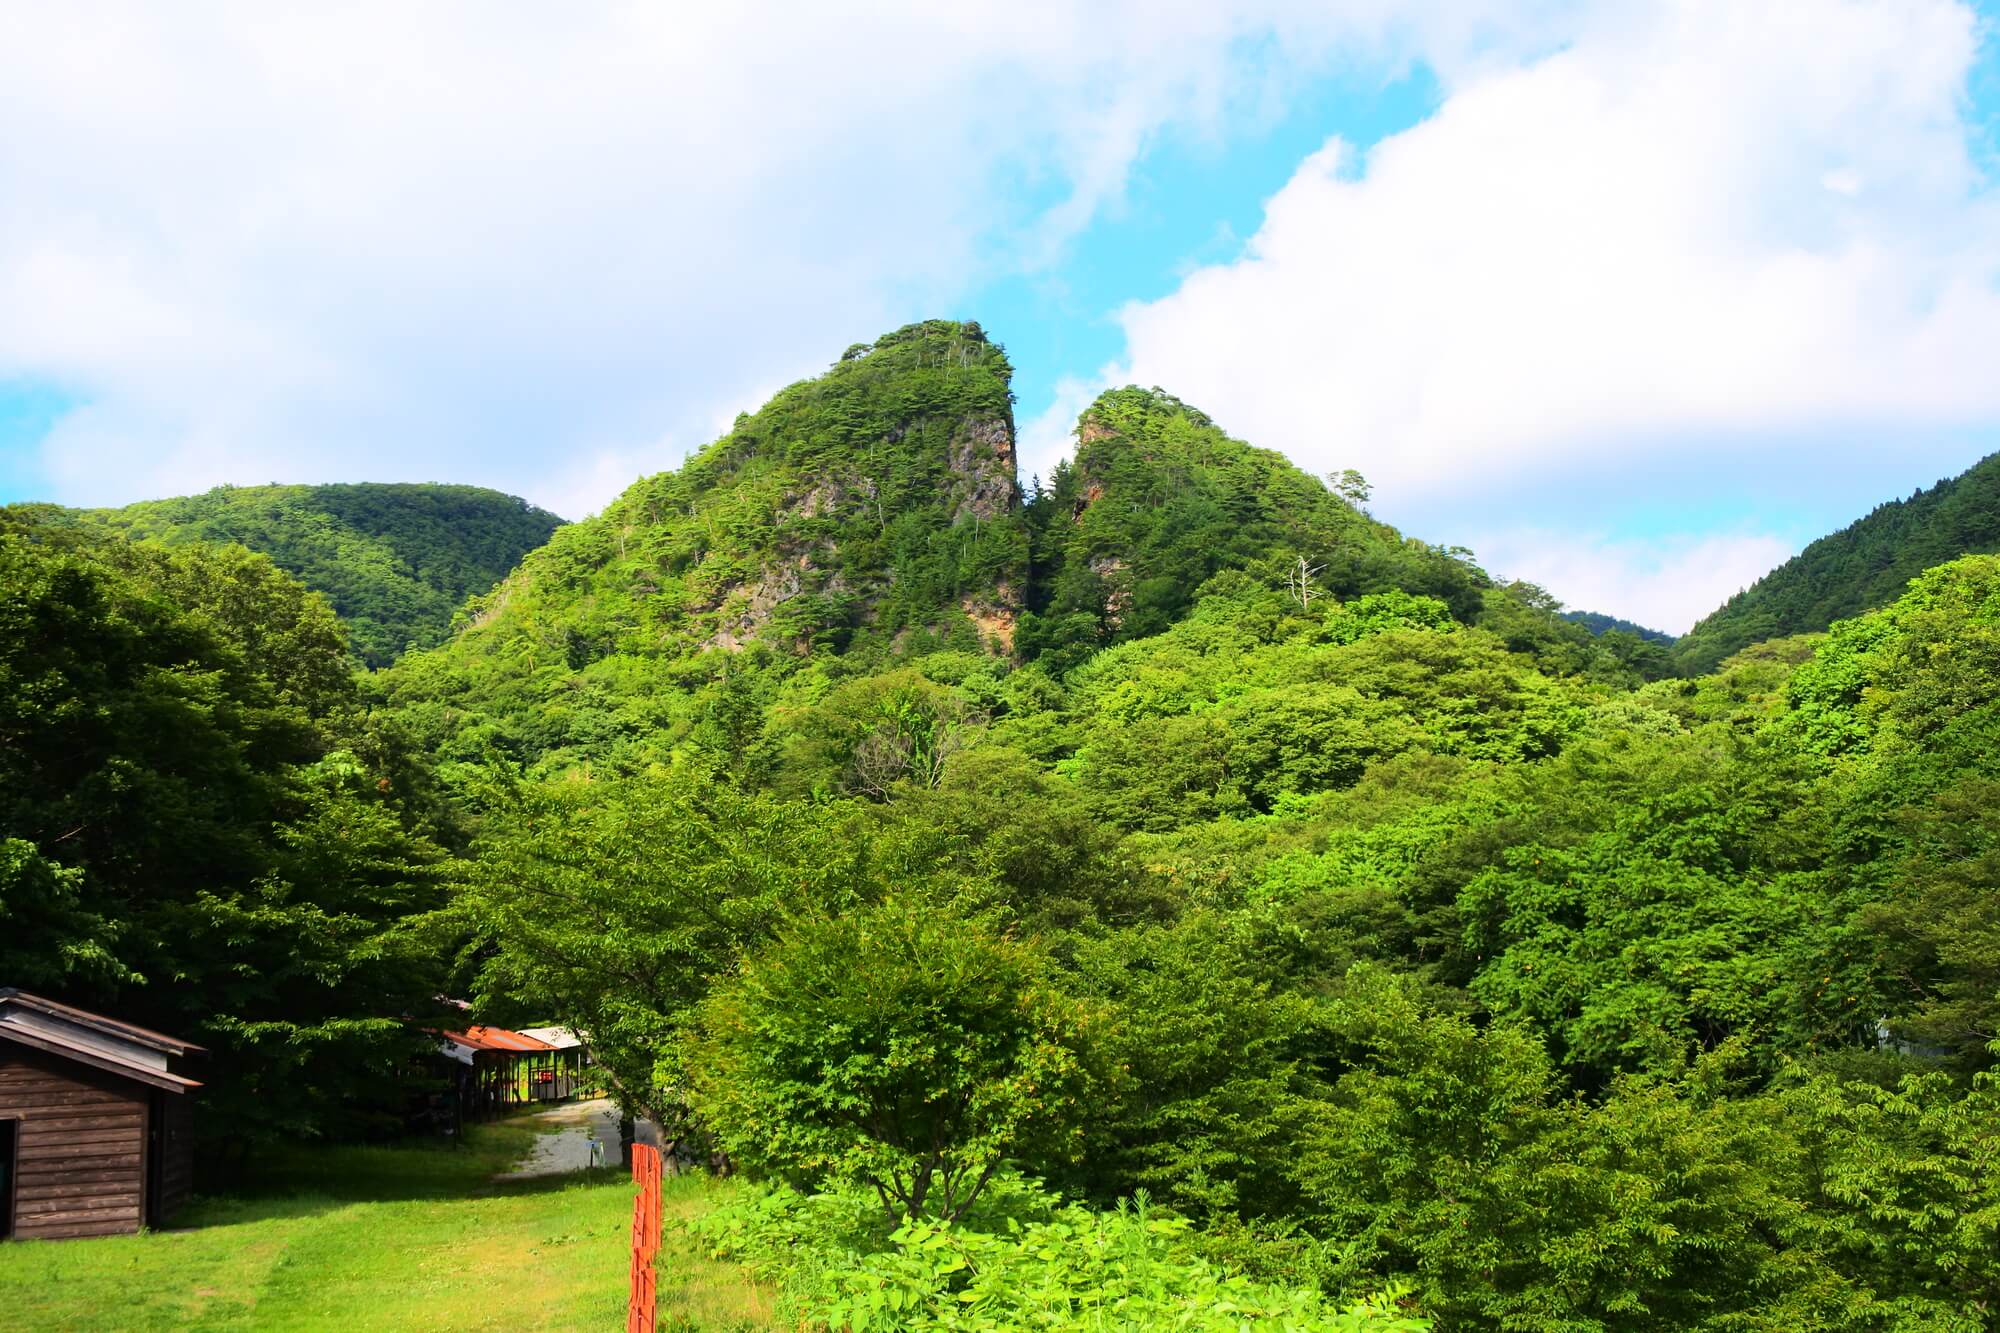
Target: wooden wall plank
(113, 1113)
(111, 1119)
(121, 1169)
(42, 1095)
(80, 1145)
(93, 1224)
(55, 1187)
(115, 1198)
(93, 1143)
(29, 1211)
(113, 1227)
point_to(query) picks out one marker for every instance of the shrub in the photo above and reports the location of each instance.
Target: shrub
(1027, 1262)
(896, 1047)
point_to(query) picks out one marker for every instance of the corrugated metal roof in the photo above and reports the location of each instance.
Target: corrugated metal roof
(159, 1041)
(562, 1039)
(92, 1039)
(497, 1039)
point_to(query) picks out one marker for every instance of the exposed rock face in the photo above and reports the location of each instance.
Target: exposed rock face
(754, 603)
(982, 463)
(982, 487)
(826, 497)
(997, 616)
(1092, 493)
(1109, 569)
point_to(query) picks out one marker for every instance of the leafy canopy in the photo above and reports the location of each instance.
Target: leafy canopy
(895, 1047)
(395, 561)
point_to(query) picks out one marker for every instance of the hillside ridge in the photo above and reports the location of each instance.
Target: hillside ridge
(396, 559)
(873, 516)
(1861, 567)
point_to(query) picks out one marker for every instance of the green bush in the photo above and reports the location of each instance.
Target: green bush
(1028, 1262)
(894, 1047)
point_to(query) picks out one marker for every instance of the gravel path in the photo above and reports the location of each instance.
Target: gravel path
(564, 1146)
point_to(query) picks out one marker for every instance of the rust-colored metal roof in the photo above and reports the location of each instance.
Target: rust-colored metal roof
(497, 1039)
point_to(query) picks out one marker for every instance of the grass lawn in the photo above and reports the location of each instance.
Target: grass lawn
(405, 1237)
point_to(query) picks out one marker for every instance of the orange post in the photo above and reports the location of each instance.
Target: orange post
(645, 1237)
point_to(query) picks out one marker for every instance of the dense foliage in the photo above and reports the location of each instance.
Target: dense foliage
(395, 560)
(1026, 1261)
(200, 831)
(1159, 499)
(1859, 568)
(1599, 623)
(893, 1046)
(1174, 832)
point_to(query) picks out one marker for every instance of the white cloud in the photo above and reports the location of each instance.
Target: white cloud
(497, 242)
(549, 250)
(1702, 240)
(1664, 583)
(1047, 438)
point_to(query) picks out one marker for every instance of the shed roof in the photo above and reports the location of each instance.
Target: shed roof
(121, 1048)
(497, 1039)
(562, 1039)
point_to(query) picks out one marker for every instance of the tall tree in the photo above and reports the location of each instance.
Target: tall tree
(183, 844)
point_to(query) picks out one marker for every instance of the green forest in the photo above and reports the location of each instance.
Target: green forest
(1598, 623)
(1862, 567)
(396, 561)
(1157, 894)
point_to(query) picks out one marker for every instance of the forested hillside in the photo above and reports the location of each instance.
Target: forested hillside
(395, 560)
(1167, 896)
(1599, 623)
(1863, 566)
(871, 517)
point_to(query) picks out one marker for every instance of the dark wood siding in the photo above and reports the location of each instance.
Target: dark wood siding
(80, 1158)
(172, 1152)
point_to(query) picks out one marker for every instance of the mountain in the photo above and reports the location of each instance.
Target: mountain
(1599, 623)
(868, 514)
(1186, 828)
(1159, 499)
(871, 517)
(395, 560)
(1863, 566)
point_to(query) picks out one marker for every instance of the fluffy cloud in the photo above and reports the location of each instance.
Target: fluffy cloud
(534, 246)
(1702, 239)
(1664, 583)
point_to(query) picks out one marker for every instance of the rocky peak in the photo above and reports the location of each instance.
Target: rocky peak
(871, 505)
(981, 457)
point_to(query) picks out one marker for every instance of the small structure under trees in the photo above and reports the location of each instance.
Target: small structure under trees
(499, 1068)
(96, 1122)
(558, 1076)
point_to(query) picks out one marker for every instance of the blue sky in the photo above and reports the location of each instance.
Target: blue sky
(1633, 299)
(1189, 201)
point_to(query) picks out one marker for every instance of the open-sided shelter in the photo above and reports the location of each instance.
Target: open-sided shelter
(499, 1068)
(96, 1122)
(559, 1075)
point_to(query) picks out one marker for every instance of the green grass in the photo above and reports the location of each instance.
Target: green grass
(404, 1237)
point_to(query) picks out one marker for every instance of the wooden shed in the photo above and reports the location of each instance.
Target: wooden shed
(96, 1124)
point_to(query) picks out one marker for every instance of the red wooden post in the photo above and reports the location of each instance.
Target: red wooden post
(645, 1237)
